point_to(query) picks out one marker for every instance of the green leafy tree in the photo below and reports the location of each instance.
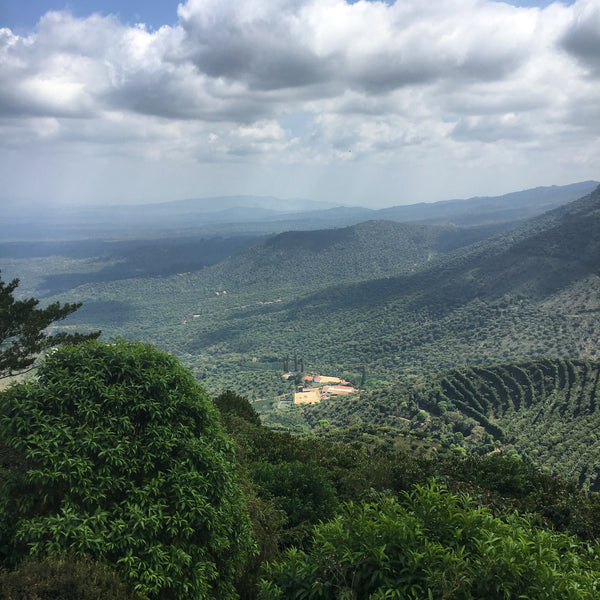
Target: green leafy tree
(23, 329)
(123, 458)
(302, 490)
(434, 544)
(230, 403)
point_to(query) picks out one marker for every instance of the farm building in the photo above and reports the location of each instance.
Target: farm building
(338, 390)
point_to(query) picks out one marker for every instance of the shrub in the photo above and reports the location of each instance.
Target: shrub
(123, 458)
(301, 489)
(231, 403)
(434, 544)
(63, 578)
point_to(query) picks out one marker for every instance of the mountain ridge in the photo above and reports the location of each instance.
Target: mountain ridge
(263, 215)
(498, 299)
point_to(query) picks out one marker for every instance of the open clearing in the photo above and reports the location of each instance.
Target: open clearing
(310, 397)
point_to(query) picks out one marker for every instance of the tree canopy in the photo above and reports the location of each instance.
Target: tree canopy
(434, 544)
(23, 329)
(120, 455)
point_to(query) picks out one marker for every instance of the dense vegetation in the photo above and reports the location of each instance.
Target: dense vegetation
(547, 411)
(91, 261)
(527, 294)
(114, 451)
(477, 360)
(63, 577)
(94, 462)
(433, 544)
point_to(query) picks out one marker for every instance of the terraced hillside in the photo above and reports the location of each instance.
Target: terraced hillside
(547, 410)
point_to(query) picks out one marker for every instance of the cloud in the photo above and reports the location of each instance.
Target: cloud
(258, 43)
(368, 46)
(582, 37)
(309, 82)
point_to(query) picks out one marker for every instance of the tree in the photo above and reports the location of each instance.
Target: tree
(123, 458)
(23, 326)
(302, 490)
(230, 403)
(433, 544)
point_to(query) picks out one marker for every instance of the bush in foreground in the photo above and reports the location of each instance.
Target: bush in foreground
(433, 544)
(121, 456)
(63, 578)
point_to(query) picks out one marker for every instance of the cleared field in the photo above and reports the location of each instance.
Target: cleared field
(311, 397)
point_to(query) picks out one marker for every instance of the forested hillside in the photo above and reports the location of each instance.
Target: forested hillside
(511, 207)
(529, 293)
(48, 268)
(547, 411)
(476, 355)
(300, 260)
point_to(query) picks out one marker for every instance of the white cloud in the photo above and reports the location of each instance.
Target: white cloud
(371, 87)
(582, 37)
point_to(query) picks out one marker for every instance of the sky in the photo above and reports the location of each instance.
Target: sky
(358, 103)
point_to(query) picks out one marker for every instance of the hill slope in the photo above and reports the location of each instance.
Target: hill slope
(298, 259)
(529, 293)
(486, 304)
(515, 206)
(547, 410)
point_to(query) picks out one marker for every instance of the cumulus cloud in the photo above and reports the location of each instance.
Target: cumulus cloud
(582, 37)
(372, 81)
(367, 45)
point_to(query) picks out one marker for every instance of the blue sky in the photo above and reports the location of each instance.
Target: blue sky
(24, 14)
(366, 103)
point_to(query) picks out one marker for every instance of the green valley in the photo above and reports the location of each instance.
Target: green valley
(397, 302)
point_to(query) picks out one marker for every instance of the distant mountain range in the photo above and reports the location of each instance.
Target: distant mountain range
(265, 215)
(394, 297)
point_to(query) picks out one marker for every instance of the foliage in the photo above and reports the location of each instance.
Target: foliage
(269, 529)
(23, 329)
(348, 299)
(391, 301)
(62, 578)
(230, 402)
(502, 481)
(434, 544)
(123, 458)
(547, 411)
(302, 490)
